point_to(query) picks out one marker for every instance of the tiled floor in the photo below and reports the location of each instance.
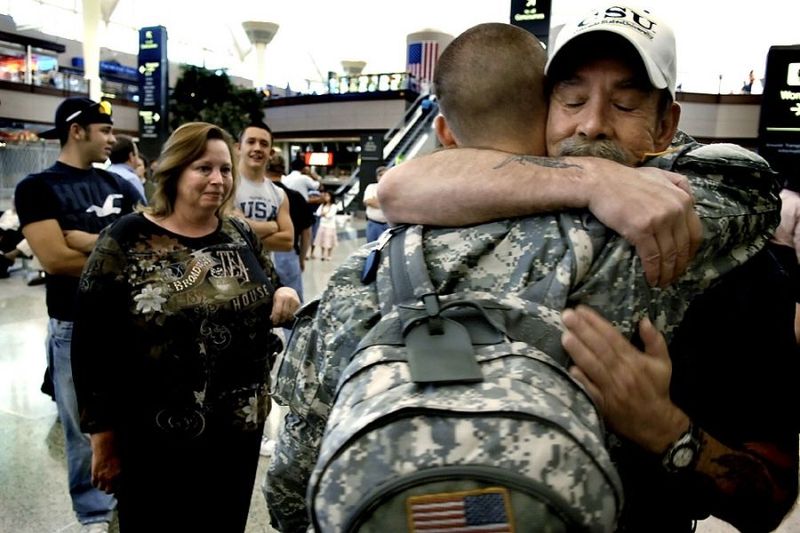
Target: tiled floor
(33, 493)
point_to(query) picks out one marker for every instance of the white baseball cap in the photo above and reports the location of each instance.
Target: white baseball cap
(652, 39)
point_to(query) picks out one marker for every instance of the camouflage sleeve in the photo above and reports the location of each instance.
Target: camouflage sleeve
(347, 310)
(286, 482)
(736, 198)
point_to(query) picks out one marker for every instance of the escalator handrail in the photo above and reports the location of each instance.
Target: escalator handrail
(400, 141)
(409, 139)
(402, 123)
(341, 189)
(412, 135)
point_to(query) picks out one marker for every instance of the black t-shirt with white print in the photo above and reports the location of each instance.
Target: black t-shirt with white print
(78, 199)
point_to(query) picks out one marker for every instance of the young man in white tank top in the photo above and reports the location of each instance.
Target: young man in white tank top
(262, 204)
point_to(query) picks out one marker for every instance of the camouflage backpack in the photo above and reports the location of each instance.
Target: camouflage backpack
(447, 419)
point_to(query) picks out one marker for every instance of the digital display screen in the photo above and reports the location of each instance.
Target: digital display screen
(319, 159)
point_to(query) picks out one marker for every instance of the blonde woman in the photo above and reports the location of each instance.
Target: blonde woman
(173, 346)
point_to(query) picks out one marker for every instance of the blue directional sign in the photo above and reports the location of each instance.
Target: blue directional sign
(153, 90)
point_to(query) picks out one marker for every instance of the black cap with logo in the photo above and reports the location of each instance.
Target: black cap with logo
(81, 111)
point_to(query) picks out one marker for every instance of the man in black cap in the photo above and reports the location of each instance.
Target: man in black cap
(61, 211)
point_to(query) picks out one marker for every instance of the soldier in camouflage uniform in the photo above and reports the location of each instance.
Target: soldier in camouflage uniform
(537, 265)
(728, 374)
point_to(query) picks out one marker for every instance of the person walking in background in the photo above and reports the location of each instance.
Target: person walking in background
(326, 239)
(787, 237)
(788, 232)
(124, 159)
(376, 220)
(13, 246)
(62, 210)
(290, 265)
(302, 180)
(752, 84)
(315, 200)
(10, 237)
(188, 297)
(141, 168)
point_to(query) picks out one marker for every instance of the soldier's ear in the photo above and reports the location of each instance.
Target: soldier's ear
(443, 132)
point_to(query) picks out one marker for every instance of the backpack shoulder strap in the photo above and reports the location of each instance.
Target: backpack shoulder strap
(439, 349)
(404, 277)
(407, 268)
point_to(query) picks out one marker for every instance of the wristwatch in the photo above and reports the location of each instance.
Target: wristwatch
(682, 454)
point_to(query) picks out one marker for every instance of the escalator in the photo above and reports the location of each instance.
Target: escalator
(412, 133)
(411, 136)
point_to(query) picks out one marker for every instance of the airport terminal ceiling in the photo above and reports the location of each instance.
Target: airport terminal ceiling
(718, 42)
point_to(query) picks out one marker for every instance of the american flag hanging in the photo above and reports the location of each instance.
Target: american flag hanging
(422, 58)
(480, 511)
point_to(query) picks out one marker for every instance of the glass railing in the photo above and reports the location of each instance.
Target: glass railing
(368, 83)
(355, 84)
(76, 83)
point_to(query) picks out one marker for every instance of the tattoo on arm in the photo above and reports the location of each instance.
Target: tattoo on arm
(743, 470)
(550, 162)
(755, 486)
(736, 472)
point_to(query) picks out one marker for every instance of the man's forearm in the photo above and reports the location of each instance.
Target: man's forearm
(48, 243)
(263, 228)
(280, 241)
(80, 240)
(457, 187)
(61, 261)
(465, 186)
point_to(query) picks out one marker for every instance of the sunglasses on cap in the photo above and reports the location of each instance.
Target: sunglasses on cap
(104, 108)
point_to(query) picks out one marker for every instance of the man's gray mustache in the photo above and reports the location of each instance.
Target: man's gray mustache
(604, 149)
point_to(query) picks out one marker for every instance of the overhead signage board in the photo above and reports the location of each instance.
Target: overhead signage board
(532, 15)
(779, 124)
(153, 90)
(372, 147)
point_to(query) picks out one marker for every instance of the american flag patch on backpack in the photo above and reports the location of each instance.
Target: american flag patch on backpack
(476, 511)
